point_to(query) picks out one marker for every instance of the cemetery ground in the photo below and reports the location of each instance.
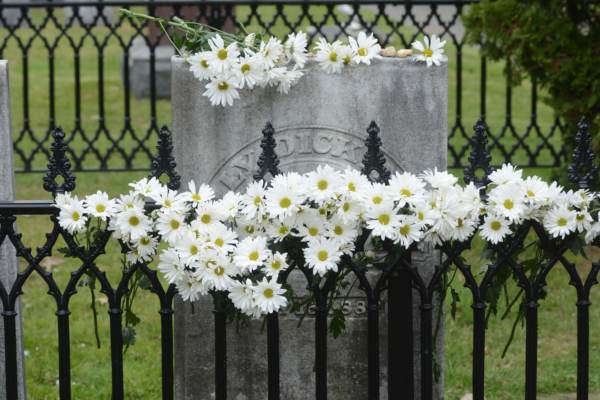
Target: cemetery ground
(91, 366)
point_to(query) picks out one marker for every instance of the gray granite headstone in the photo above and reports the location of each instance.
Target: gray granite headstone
(139, 64)
(8, 257)
(322, 120)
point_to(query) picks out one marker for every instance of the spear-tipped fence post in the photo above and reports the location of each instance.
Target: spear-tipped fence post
(59, 166)
(479, 168)
(583, 171)
(164, 162)
(374, 160)
(268, 162)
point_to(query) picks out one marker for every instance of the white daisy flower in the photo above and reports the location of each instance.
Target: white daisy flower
(133, 223)
(353, 183)
(283, 197)
(241, 295)
(228, 206)
(279, 229)
(271, 52)
(322, 255)
(268, 296)
(507, 200)
(376, 195)
(171, 266)
(288, 79)
(200, 65)
(494, 228)
(342, 230)
(506, 174)
(323, 184)
(383, 221)
(128, 201)
(311, 224)
(408, 231)
(207, 214)
(439, 179)
(251, 253)
(217, 273)
(72, 217)
(295, 48)
(275, 264)
(200, 195)
(221, 57)
(535, 190)
(171, 200)
(222, 90)
(191, 289)
(328, 56)
(560, 222)
(171, 226)
(189, 248)
(145, 248)
(349, 209)
(583, 221)
(222, 238)
(249, 71)
(364, 48)
(64, 200)
(431, 50)
(147, 187)
(99, 205)
(253, 201)
(406, 188)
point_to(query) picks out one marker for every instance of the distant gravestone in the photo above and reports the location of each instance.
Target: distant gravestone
(8, 257)
(322, 121)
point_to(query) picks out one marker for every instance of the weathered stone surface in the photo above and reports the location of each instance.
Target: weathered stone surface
(322, 120)
(139, 69)
(8, 258)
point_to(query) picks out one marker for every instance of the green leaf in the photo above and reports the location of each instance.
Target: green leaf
(337, 326)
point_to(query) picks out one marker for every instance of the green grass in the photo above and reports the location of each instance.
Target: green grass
(91, 366)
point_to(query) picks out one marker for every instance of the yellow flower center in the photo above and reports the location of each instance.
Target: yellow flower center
(322, 255)
(530, 193)
(508, 204)
(222, 54)
(285, 202)
(333, 56)
(257, 200)
(405, 230)
(362, 51)
(428, 53)
(459, 223)
(346, 207)
(145, 241)
(496, 225)
(322, 184)
(249, 229)
(276, 264)
(347, 60)
(352, 187)
(377, 199)
(205, 218)
(312, 231)
(194, 250)
(579, 217)
(196, 197)
(219, 242)
(75, 216)
(384, 219)
(283, 230)
(134, 221)
(168, 203)
(219, 271)
(405, 192)
(245, 68)
(338, 230)
(100, 208)
(268, 293)
(561, 221)
(204, 64)
(421, 215)
(253, 256)
(174, 224)
(223, 86)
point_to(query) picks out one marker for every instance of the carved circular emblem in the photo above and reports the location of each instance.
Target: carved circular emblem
(299, 149)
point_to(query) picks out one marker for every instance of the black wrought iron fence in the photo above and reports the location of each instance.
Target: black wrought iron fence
(104, 77)
(397, 280)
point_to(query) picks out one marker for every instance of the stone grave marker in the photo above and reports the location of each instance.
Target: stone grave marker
(322, 120)
(8, 257)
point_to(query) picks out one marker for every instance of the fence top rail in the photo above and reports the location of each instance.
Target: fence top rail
(51, 3)
(40, 207)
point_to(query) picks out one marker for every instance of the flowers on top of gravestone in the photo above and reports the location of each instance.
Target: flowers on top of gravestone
(364, 48)
(222, 90)
(431, 50)
(236, 244)
(296, 48)
(221, 57)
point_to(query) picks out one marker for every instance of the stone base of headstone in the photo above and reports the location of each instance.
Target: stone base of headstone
(139, 69)
(322, 120)
(8, 258)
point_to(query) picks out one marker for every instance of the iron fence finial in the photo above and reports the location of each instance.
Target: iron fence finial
(374, 159)
(164, 162)
(59, 166)
(268, 162)
(583, 171)
(479, 158)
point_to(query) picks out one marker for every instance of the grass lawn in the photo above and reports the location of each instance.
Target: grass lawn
(91, 366)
